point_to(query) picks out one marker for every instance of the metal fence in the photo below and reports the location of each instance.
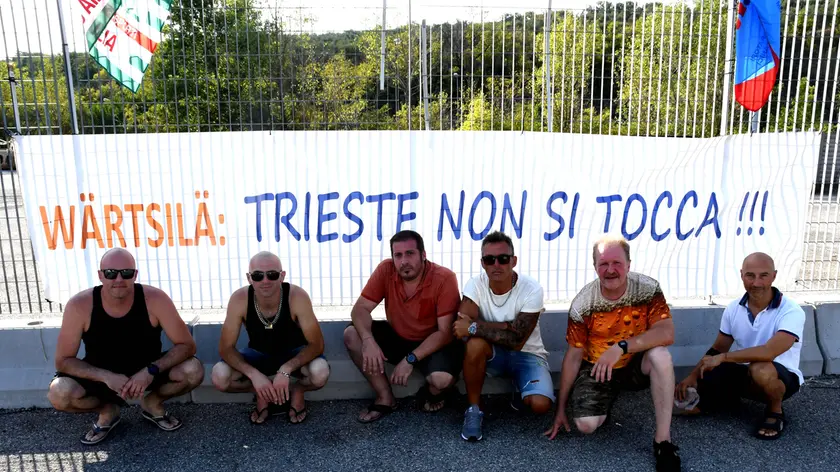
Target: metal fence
(631, 68)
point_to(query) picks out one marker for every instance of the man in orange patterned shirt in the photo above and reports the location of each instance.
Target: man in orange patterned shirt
(618, 328)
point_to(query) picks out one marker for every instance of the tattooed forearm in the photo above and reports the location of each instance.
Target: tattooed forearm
(514, 336)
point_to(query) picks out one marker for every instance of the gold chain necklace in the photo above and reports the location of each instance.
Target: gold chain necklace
(265, 322)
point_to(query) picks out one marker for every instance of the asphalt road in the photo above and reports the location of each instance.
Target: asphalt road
(219, 437)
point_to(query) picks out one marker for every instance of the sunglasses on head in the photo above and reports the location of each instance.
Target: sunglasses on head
(503, 259)
(111, 274)
(258, 275)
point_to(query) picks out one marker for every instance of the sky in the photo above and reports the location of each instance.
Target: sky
(33, 25)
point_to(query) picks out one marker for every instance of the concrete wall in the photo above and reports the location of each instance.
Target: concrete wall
(27, 354)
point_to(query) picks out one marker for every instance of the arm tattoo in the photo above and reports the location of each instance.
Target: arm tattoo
(514, 336)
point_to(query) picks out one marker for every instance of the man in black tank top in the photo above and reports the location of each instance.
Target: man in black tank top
(120, 323)
(284, 340)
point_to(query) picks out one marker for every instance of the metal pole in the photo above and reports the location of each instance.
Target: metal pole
(68, 70)
(727, 64)
(549, 93)
(382, 53)
(408, 92)
(754, 117)
(13, 85)
(424, 80)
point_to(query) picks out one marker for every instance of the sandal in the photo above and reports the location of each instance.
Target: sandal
(259, 414)
(304, 411)
(100, 429)
(426, 398)
(383, 410)
(777, 426)
(158, 420)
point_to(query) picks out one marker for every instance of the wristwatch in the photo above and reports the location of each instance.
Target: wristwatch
(411, 358)
(153, 369)
(473, 328)
(623, 345)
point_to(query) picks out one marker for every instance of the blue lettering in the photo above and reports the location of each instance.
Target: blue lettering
(306, 216)
(574, 214)
(653, 234)
(258, 199)
(556, 216)
(608, 200)
(378, 199)
(286, 220)
(352, 217)
(633, 198)
(508, 209)
(325, 217)
(693, 195)
(709, 219)
(444, 209)
(401, 198)
(481, 196)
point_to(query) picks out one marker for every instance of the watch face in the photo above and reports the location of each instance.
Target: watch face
(411, 358)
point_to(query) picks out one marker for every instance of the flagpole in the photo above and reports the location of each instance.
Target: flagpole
(727, 64)
(68, 70)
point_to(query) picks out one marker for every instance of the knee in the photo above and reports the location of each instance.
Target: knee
(440, 380)
(221, 376)
(660, 358)
(319, 372)
(763, 372)
(352, 341)
(538, 404)
(60, 394)
(588, 425)
(192, 371)
(477, 348)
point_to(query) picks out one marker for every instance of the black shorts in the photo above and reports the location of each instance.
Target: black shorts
(723, 386)
(269, 364)
(105, 395)
(592, 398)
(448, 359)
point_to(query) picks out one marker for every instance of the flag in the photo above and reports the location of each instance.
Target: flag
(756, 51)
(122, 35)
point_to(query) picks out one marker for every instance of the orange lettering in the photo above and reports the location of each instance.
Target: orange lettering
(58, 222)
(155, 225)
(113, 227)
(90, 218)
(180, 215)
(203, 214)
(133, 209)
(171, 238)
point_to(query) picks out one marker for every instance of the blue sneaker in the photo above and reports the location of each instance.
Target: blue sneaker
(472, 424)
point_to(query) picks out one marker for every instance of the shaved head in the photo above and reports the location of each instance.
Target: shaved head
(117, 258)
(759, 259)
(265, 260)
(758, 274)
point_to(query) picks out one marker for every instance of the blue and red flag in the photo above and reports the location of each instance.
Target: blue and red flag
(757, 41)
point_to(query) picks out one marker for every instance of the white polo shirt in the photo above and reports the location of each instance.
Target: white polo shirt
(748, 330)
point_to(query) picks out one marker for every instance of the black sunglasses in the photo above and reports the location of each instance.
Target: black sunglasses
(258, 275)
(503, 259)
(111, 274)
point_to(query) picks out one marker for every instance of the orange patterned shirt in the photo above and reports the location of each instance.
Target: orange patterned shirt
(596, 323)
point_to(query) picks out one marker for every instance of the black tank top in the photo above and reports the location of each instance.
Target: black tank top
(122, 345)
(284, 336)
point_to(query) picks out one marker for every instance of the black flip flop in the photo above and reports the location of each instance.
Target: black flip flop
(778, 426)
(101, 429)
(426, 397)
(383, 410)
(304, 411)
(158, 420)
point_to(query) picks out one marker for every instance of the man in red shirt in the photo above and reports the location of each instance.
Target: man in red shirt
(421, 300)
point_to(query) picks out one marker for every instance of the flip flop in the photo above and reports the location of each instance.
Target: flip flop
(383, 410)
(158, 420)
(426, 397)
(304, 411)
(777, 426)
(259, 413)
(100, 429)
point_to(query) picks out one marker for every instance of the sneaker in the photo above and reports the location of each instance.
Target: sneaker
(687, 406)
(472, 424)
(667, 459)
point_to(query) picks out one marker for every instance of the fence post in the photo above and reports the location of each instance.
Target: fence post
(382, 51)
(547, 90)
(68, 70)
(13, 87)
(727, 65)
(424, 80)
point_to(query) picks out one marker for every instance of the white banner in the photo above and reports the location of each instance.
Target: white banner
(194, 207)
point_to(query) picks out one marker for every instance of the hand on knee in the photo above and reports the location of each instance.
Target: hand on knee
(589, 424)
(538, 404)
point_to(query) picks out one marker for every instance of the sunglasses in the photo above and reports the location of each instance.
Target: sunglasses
(504, 259)
(258, 275)
(111, 274)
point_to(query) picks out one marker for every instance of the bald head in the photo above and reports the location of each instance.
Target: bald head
(759, 259)
(265, 260)
(117, 258)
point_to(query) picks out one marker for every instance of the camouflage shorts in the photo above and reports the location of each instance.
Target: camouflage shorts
(592, 398)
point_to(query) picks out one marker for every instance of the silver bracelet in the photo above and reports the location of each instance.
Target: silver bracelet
(284, 374)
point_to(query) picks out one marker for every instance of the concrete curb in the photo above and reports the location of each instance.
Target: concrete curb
(828, 330)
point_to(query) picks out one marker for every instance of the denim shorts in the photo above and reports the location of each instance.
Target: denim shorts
(530, 373)
(267, 364)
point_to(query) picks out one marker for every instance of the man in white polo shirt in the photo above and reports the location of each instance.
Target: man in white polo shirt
(756, 353)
